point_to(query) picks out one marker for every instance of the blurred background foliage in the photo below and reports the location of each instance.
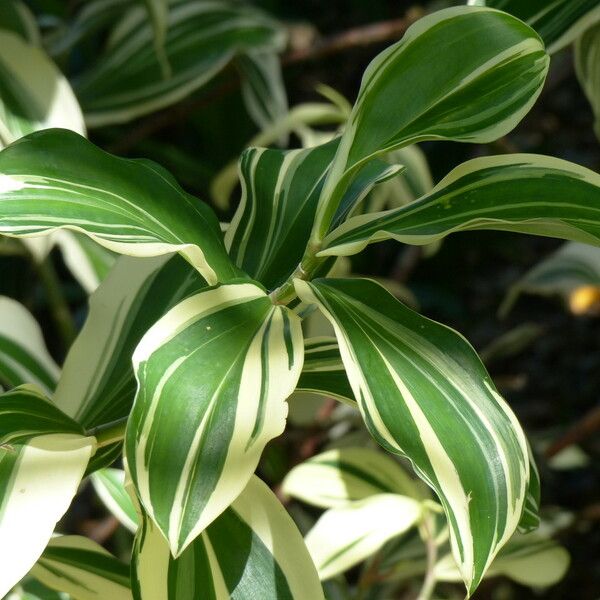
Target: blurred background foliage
(544, 352)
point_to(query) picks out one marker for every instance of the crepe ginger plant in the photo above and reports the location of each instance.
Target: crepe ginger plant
(212, 326)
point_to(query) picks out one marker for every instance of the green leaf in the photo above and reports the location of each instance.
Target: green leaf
(15, 16)
(201, 39)
(424, 394)
(558, 22)
(280, 192)
(83, 569)
(109, 485)
(338, 477)
(213, 374)
(23, 354)
(571, 267)
(587, 67)
(33, 92)
(524, 193)
(346, 535)
(37, 483)
(323, 371)
(97, 385)
(25, 412)
(158, 13)
(56, 179)
(252, 550)
(484, 72)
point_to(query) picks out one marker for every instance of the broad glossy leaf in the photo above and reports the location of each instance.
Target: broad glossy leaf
(347, 535)
(559, 22)
(571, 268)
(37, 483)
(252, 550)
(23, 354)
(524, 193)
(201, 39)
(97, 385)
(83, 569)
(424, 394)
(338, 477)
(213, 374)
(56, 179)
(110, 487)
(323, 371)
(33, 92)
(280, 192)
(484, 71)
(587, 67)
(25, 412)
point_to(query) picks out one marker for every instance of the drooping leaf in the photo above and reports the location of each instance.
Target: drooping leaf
(337, 477)
(109, 485)
(346, 535)
(201, 39)
(425, 395)
(559, 22)
(24, 357)
(587, 67)
(323, 371)
(524, 193)
(15, 16)
(56, 179)
(251, 550)
(37, 483)
(83, 569)
(484, 71)
(213, 374)
(280, 192)
(33, 92)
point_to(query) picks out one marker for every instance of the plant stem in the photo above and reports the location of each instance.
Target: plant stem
(58, 305)
(109, 433)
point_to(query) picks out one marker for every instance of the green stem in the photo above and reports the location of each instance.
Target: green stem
(56, 300)
(109, 433)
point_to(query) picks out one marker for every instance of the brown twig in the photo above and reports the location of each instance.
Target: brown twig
(585, 427)
(352, 38)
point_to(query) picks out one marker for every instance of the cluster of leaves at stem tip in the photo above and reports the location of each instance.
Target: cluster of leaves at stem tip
(194, 339)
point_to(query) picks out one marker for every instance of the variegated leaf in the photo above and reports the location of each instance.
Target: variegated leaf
(37, 483)
(33, 92)
(56, 179)
(525, 193)
(425, 395)
(347, 535)
(201, 39)
(23, 354)
(323, 371)
(251, 550)
(338, 477)
(559, 22)
(280, 192)
(587, 67)
(158, 13)
(83, 569)
(16, 16)
(485, 70)
(110, 487)
(213, 375)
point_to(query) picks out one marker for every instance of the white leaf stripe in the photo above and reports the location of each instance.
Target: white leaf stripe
(419, 384)
(270, 556)
(23, 354)
(524, 193)
(83, 569)
(128, 206)
(109, 485)
(225, 356)
(201, 38)
(37, 483)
